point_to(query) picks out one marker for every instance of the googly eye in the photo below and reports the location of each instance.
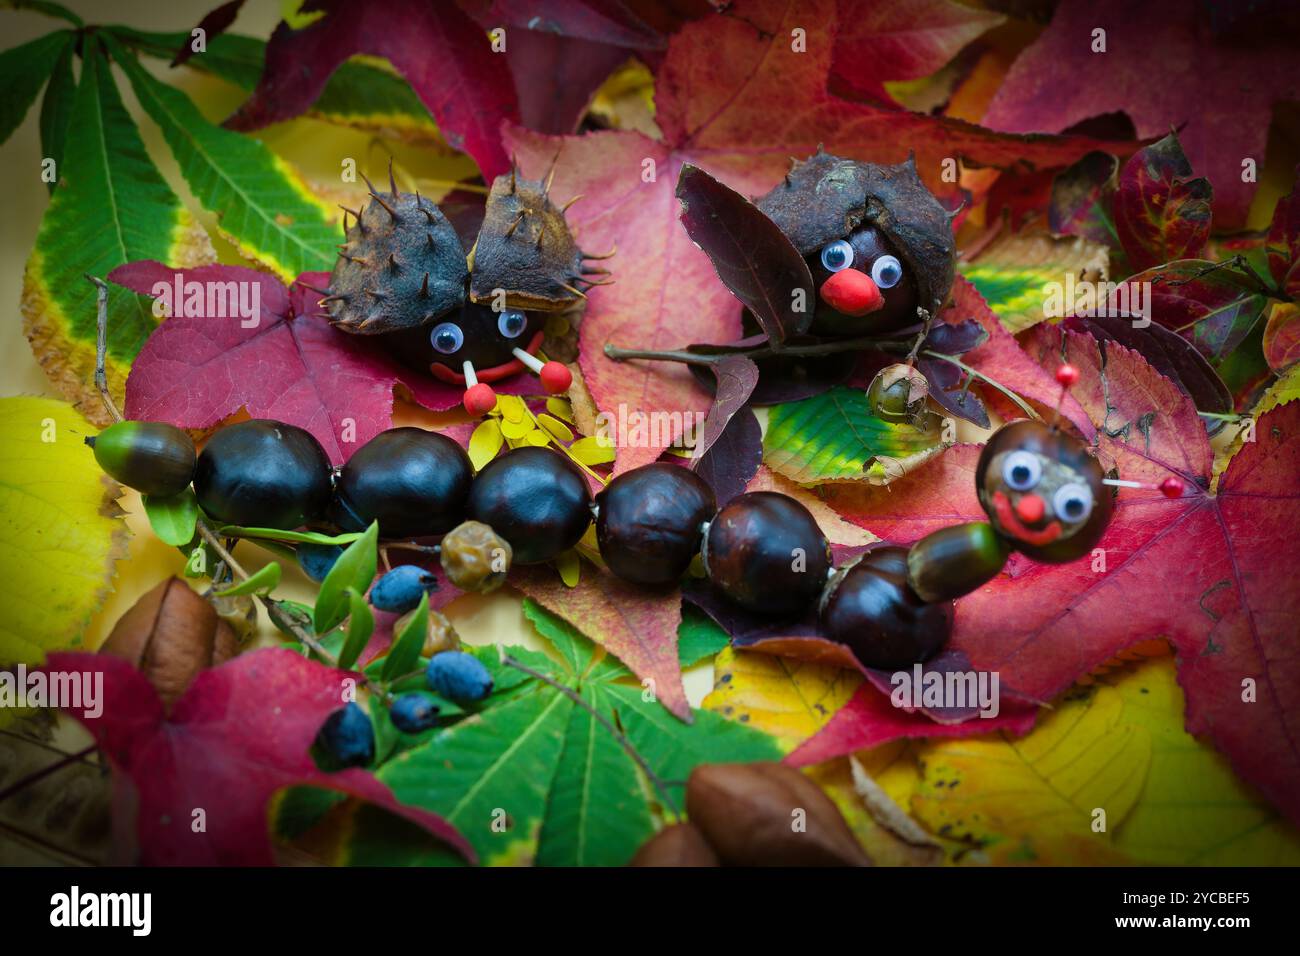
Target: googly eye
(512, 324)
(887, 272)
(447, 337)
(837, 255)
(1072, 502)
(1021, 470)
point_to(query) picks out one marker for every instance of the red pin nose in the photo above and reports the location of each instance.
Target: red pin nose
(852, 292)
(1029, 509)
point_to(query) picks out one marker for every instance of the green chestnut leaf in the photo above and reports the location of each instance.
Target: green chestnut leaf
(173, 517)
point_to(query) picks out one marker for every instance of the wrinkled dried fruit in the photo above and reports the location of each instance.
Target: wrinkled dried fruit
(768, 814)
(171, 634)
(475, 558)
(681, 844)
(440, 637)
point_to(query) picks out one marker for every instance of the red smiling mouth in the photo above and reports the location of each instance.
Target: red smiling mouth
(1007, 518)
(493, 374)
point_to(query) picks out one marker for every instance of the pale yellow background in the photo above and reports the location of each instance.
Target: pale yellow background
(317, 149)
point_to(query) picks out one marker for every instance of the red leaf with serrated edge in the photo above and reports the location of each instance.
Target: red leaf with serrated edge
(292, 366)
(1162, 212)
(637, 625)
(1212, 573)
(719, 96)
(241, 733)
(870, 719)
(1284, 241)
(445, 56)
(1164, 67)
(909, 40)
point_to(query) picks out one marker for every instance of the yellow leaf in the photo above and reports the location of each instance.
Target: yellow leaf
(570, 568)
(485, 442)
(560, 408)
(516, 429)
(537, 437)
(555, 427)
(787, 698)
(60, 534)
(513, 409)
(1116, 746)
(590, 451)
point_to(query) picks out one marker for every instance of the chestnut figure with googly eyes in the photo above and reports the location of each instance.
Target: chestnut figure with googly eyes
(468, 319)
(878, 243)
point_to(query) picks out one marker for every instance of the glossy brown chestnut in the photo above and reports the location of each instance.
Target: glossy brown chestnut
(1048, 500)
(413, 482)
(263, 474)
(536, 499)
(650, 521)
(869, 608)
(765, 552)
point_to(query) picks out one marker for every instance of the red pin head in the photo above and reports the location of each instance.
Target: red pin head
(555, 377)
(480, 399)
(1066, 375)
(1172, 487)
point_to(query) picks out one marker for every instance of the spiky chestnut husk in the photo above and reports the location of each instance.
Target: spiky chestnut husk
(527, 249)
(826, 197)
(402, 266)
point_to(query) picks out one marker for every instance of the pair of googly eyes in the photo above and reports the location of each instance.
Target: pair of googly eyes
(1021, 471)
(448, 337)
(837, 256)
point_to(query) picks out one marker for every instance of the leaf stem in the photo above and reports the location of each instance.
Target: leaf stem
(975, 373)
(660, 787)
(758, 351)
(101, 347)
(23, 782)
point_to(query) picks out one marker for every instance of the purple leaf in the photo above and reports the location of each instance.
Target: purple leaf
(733, 457)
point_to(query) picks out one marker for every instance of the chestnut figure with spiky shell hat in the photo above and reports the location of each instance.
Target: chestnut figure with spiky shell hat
(879, 245)
(403, 274)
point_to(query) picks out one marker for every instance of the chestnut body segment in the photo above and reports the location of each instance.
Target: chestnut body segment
(649, 522)
(1043, 491)
(263, 474)
(765, 552)
(956, 560)
(536, 499)
(413, 482)
(154, 458)
(870, 608)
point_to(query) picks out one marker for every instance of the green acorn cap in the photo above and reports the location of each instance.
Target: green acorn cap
(826, 197)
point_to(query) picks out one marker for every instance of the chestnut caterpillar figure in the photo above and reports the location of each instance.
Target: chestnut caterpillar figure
(471, 319)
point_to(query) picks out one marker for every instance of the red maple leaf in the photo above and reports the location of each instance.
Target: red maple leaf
(445, 56)
(737, 96)
(292, 366)
(1212, 571)
(1165, 66)
(240, 733)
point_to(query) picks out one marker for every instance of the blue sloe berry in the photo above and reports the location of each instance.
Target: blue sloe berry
(459, 676)
(400, 589)
(348, 737)
(412, 713)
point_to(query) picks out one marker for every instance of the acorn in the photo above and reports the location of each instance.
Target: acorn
(897, 394)
(1043, 491)
(764, 551)
(870, 608)
(534, 498)
(263, 474)
(154, 458)
(956, 560)
(414, 482)
(649, 522)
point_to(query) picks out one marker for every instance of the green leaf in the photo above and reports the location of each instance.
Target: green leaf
(698, 637)
(301, 537)
(596, 814)
(575, 650)
(672, 748)
(357, 94)
(112, 207)
(57, 10)
(262, 581)
(23, 71)
(56, 108)
(405, 652)
(835, 436)
(489, 775)
(262, 206)
(299, 612)
(354, 569)
(173, 518)
(361, 624)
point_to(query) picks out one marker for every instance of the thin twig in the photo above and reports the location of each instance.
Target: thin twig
(655, 781)
(975, 373)
(101, 347)
(758, 351)
(53, 768)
